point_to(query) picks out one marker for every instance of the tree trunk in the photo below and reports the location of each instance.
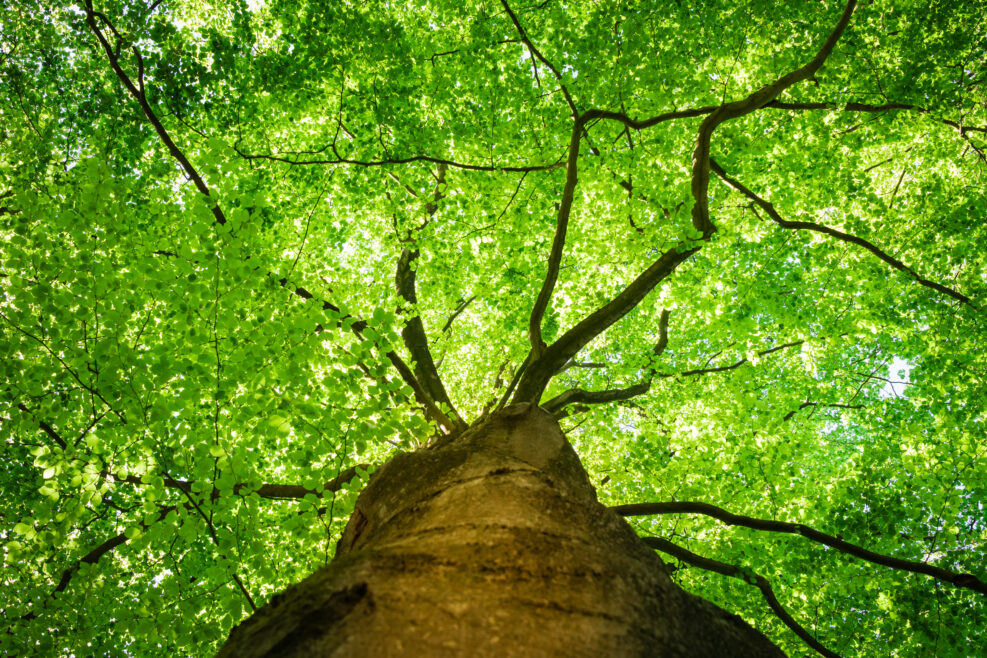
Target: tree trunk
(491, 544)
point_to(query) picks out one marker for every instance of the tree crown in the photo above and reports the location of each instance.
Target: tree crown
(252, 249)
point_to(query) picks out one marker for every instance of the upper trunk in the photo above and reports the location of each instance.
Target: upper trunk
(491, 544)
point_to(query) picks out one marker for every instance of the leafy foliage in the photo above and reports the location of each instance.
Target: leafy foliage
(193, 369)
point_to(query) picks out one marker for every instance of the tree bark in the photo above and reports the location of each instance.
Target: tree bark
(491, 544)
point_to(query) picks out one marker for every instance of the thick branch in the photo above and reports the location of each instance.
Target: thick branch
(747, 576)
(700, 157)
(421, 395)
(556, 355)
(705, 110)
(558, 244)
(769, 209)
(578, 395)
(963, 580)
(413, 332)
(641, 124)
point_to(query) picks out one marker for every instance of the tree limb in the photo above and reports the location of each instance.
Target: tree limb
(556, 355)
(537, 53)
(748, 577)
(271, 491)
(547, 362)
(705, 110)
(215, 540)
(93, 556)
(700, 157)
(357, 327)
(805, 405)
(963, 580)
(67, 368)
(868, 108)
(45, 427)
(732, 366)
(413, 332)
(578, 395)
(139, 95)
(397, 161)
(455, 314)
(769, 209)
(558, 245)
(630, 122)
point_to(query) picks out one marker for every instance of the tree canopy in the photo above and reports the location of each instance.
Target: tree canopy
(251, 249)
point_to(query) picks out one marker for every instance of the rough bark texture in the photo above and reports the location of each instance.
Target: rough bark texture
(491, 544)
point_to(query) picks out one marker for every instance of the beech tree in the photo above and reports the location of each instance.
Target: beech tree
(428, 297)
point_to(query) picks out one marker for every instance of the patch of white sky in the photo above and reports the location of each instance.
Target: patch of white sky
(898, 379)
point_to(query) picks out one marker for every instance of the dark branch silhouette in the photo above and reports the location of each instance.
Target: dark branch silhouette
(93, 556)
(357, 327)
(732, 366)
(556, 355)
(454, 164)
(558, 245)
(547, 362)
(963, 580)
(700, 157)
(139, 95)
(455, 314)
(45, 427)
(769, 209)
(271, 491)
(628, 121)
(537, 53)
(748, 577)
(192, 503)
(580, 396)
(413, 332)
(831, 405)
